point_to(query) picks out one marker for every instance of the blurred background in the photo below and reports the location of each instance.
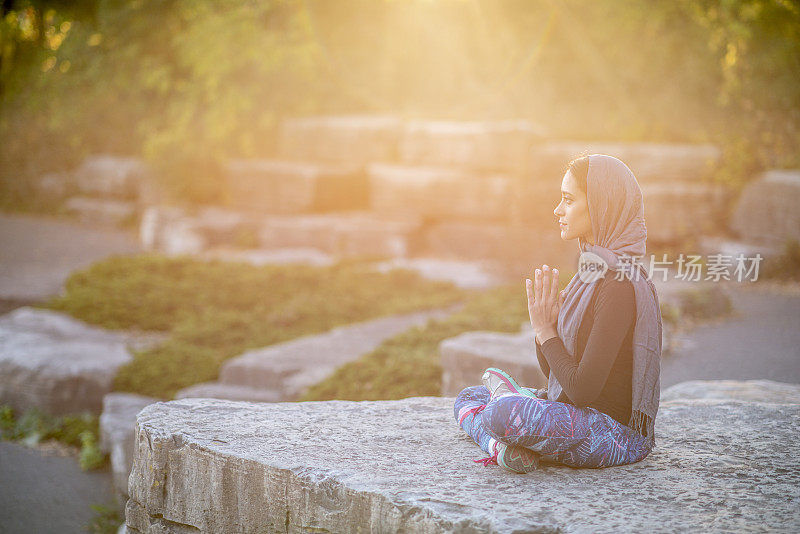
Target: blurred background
(188, 185)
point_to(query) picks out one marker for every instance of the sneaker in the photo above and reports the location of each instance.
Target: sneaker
(499, 383)
(516, 459)
(511, 457)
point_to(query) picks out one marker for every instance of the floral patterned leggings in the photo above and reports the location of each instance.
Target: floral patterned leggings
(561, 433)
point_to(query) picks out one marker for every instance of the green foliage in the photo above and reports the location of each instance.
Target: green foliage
(106, 520)
(670, 313)
(214, 310)
(91, 457)
(35, 426)
(407, 365)
(786, 266)
(189, 83)
(704, 303)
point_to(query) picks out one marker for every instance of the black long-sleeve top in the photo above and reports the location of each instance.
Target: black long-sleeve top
(599, 376)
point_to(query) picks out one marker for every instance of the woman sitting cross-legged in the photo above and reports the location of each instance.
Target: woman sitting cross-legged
(598, 341)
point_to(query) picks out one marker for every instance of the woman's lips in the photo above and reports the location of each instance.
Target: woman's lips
(562, 225)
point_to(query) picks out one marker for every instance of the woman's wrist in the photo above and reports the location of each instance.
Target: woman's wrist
(546, 334)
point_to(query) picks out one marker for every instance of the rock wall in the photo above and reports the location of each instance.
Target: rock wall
(720, 464)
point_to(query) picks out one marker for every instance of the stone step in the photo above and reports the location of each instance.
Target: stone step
(464, 274)
(350, 139)
(347, 233)
(650, 162)
(218, 390)
(465, 357)
(438, 192)
(117, 436)
(477, 145)
(58, 364)
(280, 256)
(403, 466)
(518, 247)
(100, 211)
(291, 367)
(767, 209)
(111, 176)
(283, 187)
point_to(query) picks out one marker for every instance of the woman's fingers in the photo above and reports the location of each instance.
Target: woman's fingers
(554, 289)
(547, 285)
(529, 291)
(537, 285)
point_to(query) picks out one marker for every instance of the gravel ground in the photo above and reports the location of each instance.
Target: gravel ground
(43, 491)
(37, 253)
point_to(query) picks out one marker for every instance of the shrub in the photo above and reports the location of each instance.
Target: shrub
(34, 426)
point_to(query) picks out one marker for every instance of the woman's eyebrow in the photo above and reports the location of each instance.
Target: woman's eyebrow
(566, 194)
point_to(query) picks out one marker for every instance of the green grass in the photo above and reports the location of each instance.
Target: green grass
(35, 426)
(786, 266)
(407, 365)
(214, 310)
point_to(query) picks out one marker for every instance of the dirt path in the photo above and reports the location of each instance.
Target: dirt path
(37, 253)
(761, 341)
(41, 492)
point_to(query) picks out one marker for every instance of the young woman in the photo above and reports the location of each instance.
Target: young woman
(598, 341)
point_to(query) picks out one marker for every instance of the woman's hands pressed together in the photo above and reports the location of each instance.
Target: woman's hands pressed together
(544, 302)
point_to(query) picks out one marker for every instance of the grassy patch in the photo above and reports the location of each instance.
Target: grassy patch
(34, 426)
(408, 365)
(106, 519)
(786, 266)
(214, 310)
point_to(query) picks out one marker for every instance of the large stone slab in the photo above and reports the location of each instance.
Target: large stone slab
(117, 426)
(518, 247)
(465, 357)
(465, 274)
(350, 139)
(175, 230)
(479, 145)
(101, 211)
(258, 257)
(438, 192)
(347, 233)
(279, 186)
(677, 211)
(650, 162)
(719, 465)
(111, 176)
(218, 390)
(293, 366)
(767, 209)
(56, 363)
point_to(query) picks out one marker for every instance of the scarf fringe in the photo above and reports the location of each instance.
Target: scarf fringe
(643, 424)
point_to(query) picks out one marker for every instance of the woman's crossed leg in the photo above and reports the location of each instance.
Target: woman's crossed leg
(558, 432)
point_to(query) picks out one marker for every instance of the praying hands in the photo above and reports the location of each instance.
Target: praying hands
(544, 302)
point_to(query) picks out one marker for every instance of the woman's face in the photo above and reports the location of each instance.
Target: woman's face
(573, 211)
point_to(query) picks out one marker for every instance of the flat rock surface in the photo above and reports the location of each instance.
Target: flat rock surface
(57, 363)
(390, 466)
(291, 367)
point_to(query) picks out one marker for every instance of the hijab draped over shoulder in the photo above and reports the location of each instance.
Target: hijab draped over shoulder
(616, 211)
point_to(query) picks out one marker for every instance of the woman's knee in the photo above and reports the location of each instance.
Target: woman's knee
(498, 414)
(474, 393)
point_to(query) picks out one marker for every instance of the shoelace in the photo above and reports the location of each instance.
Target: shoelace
(488, 460)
